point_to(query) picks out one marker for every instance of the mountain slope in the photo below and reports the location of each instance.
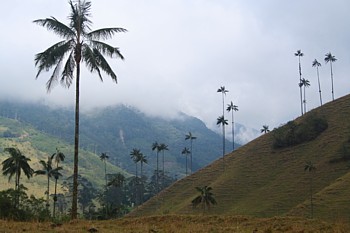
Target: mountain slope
(118, 129)
(259, 180)
(37, 146)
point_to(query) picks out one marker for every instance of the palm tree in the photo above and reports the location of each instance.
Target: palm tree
(142, 160)
(223, 92)
(16, 163)
(59, 157)
(104, 157)
(330, 58)
(221, 121)
(156, 147)
(316, 64)
(305, 83)
(190, 137)
(299, 54)
(79, 44)
(49, 171)
(185, 152)
(163, 147)
(231, 107)
(310, 168)
(135, 156)
(265, 129)
(205, 198)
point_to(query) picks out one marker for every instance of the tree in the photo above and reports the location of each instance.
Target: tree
(163, 147)
(205, 198)
(135, 156)
(309, 167)
(16, 163)
(305, 83)
(316, 64)
(231, 108)
(185, 152)
(156, 147)
(49, 171)
(104, 157)
(330, 58)
(223, 91)
(265, 129)
(59, 157)
(79, 44)
(299, 54)
(221, 121)
(190, 137)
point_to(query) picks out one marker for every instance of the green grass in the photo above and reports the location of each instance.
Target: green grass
(265, 182)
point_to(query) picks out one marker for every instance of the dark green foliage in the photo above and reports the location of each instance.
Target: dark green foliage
(205, 197)
(29, 208)
(293, 134)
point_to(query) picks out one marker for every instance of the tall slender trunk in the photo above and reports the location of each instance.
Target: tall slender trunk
(48, 192)
(332, 81)
(55, 198)
(76, 147)
(157, 177)
(304, 98)
(163, 170)
(319, 85)
(223, 144)
(301, 93)
(233, 132)
(191, 157)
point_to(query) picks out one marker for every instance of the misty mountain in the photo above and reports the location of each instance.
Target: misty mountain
(118, 129)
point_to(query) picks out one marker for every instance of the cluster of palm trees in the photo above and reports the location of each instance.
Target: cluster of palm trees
(304, 83)
(221, 120)
(18, 163)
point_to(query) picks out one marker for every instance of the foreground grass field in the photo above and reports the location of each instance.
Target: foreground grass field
(184, 224)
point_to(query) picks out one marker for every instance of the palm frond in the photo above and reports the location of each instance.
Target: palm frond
(51, 56)
(90, 60)
(52, 24)
(103, 64)
(104, 33)
(79, 17)
(107, 49)
(67, 73)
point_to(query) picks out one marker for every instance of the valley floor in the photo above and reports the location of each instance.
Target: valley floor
(184, 224)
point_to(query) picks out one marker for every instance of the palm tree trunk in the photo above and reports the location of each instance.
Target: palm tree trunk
(48, 192)
(157, 177)
(233, 132)
(304, 99)
(76, 147)
(332, 81)
(55, 199)
(223, 144)
(301, 93)
(186, 163)
(319, 85)
(191, 158)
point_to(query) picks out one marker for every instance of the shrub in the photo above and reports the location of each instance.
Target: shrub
(293, 134)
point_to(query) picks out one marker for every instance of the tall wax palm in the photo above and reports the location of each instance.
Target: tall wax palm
(58, 157)
(305, 83)
(15, 164)
(231, 108)
(221, 121)
(330, 58)
(299, 54)
(142, 159)
(163, 147)
(205, 198)
(79, 44)
(316, 64)
(104, 157)
(265, 129)
(309, 167)
(190, 137)
(223, 91)
(185, 152)
(156, 147)
(49, 172)
(135, 156)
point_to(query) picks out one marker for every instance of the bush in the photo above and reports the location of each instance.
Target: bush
(293, 134)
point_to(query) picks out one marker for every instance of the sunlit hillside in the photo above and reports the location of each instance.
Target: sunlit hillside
(260, 180)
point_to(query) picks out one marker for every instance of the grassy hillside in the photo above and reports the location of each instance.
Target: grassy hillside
(37, 146)
(258, 180)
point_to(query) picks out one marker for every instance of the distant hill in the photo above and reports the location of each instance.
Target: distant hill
(37, 146)
(118, 129)
(266, 177)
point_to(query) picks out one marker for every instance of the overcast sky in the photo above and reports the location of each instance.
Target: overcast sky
(179, 52)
